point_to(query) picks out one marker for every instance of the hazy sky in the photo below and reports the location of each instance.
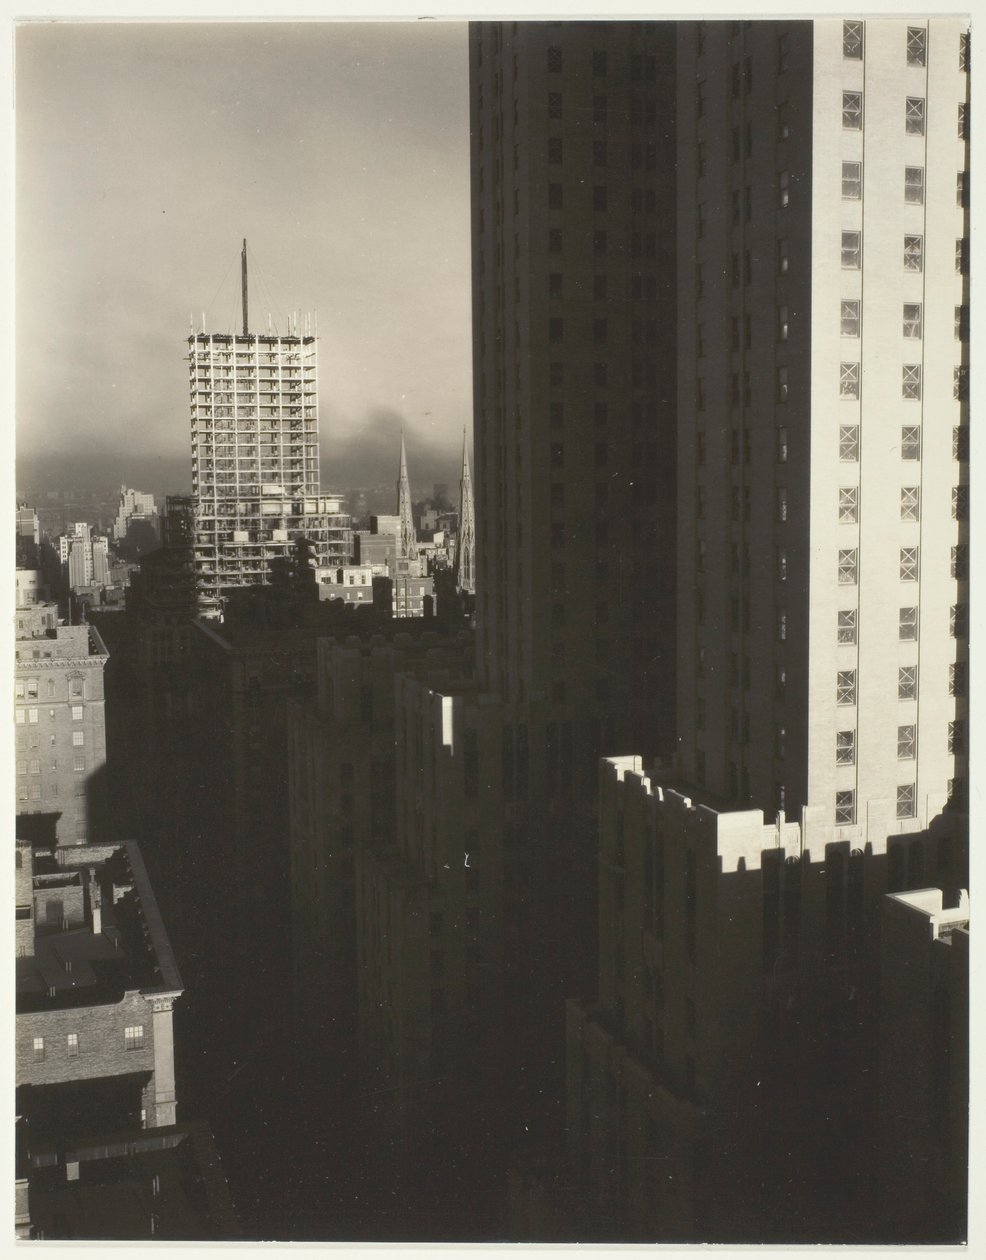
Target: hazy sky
(145, 153)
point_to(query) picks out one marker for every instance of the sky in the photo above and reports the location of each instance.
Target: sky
(145, 153)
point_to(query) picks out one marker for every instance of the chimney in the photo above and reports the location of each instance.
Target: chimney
(95, 903)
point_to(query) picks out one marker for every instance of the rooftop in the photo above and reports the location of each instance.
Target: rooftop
(62, 643)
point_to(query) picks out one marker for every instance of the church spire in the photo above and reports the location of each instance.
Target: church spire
(465, 552)
(407, 542)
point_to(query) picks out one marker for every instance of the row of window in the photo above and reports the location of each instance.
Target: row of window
(916, 45)
(907, 741)
(914, 120)
(27, 688)
(845, 804)
(907, 683)
(852, 252)
(643, 66)
(910, 443)
(133, 1039)
(958, 624)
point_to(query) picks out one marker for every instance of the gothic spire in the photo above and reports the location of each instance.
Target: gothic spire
(465, 552)
(407, 542)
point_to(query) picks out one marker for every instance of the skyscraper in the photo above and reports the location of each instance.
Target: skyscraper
(574, 370)
(822, 449)
(255, 460)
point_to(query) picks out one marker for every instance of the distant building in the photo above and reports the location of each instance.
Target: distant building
(30, 587)
(27, 524)
(374, 550)
(60, 734)
(134, 505)
(255, 459)
(465, 546)
(353, 584)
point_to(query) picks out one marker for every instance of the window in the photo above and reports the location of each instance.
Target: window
(960, 443)
(962, 189)
(852, 181)
(133, 1037)
(962, 256)
(20, 716)
(958, 621)
(914, 185)
(599, 195)
(848, 505)
(39, 1049)
(783, 258)
(911, 381)
(783, 190)
(852, 110)
(848, 380)
(554, 60)
(852, 251)
(554, 105)
(848, 566)
(782, 324)
(960, 503)
(79, 761)
(907, 625)
(783, 120)
(599, 153)
(599, 63)
(957, 679)
(912, 319)
(906, 741)
(556, 329)
(72, 1045)
(905, 800)
(963, 121)
(554, 241)
(845, 748)
(910, 442)
(961, 325)
(78, 738)
(554, 149)
(914, 116)
(781, 504)
(960, 383)
(76, 712)
(599, 109)
(845, 686)
(956, 738)
(600, 375)
(960, 562)
(907, 682)
(781, 444)
(964, 40)
(847, 626)
(599, 242)
(32, 716)
(600, 331)
(848, 443)
(555, 197)
(913, 253)
(556, 411)
(782, 384)
(852, 40)
(916, 42)
(783, 53)
(781, 625)
(845, 808)
(850, 317)
(908, 564)
(910, 503)
(557, 455)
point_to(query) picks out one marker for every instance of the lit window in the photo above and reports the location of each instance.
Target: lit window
(852, 181)
(907, 624)
(910, 503)
(852, 40)
(848, 505)
(906, 741)
(960, 562)
(781, 504)
(913, 253)
(847, 626)
(960, 503)
(20, 716)
(914, 115)
(848, 380)
(956, 738)
(848, 443)
(848, 566)
(845, 748)
(845, 808)
(76, 712)
(912, 319)
(39, 1049)
(852, 250)
(907, 682)
(852, 110)
(78, 738)
(911, 381)
(845, 687)
(781, 625)
(914, 185)
(133, 1037)
(850, 317)
(32, 716)
(784, 189)
(72, 1045)
(908, 564)
(916, 44)
(910, 442)
(905, 800)
(957, 679)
